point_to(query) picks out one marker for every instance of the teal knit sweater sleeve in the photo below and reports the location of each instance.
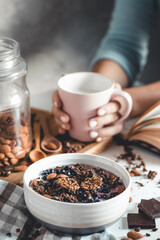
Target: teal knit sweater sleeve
(126, 41)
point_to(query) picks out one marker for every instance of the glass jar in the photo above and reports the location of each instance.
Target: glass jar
(15, 126)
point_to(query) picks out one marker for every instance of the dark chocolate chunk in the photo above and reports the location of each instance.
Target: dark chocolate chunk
(152, 174)
(148, 235)
(136, 220)
(140, 184)
(150, 207)
(154, 229)
(137, 229)
(9, 234)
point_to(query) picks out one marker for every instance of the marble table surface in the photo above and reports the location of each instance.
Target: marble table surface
(150, 189)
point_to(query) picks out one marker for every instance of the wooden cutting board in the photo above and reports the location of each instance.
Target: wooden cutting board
(90, 148)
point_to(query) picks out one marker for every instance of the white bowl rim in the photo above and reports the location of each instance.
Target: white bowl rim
(76, 204)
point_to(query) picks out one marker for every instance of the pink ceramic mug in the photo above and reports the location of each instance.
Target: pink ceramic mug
(82, 93)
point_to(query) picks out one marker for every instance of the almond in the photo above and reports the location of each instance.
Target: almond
(62, 176)
(5, 149)
(121, 189)
(2, 156)
(131, 174)
(34, 183)
(136, 172)
(21, 168)
(10, 155)
(6, 162)
(26, 163)
(127, 239)
(46, 195)
(6, 141)
(51, 146)
(20, 155)
(51, 176)
(13, 161)
(112, 177)
(134, 235)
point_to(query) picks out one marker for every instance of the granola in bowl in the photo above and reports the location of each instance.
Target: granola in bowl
(79, 183)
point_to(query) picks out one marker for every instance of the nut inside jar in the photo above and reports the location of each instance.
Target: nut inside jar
(15, 138)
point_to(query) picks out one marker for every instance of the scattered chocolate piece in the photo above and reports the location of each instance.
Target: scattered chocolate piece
(148, 235)
(141, 184)
(9, 234)
(154, 229)
(18, 230)
(136, 220)
(152, 174)
(137, 229)
(129, 156)
(150, 207)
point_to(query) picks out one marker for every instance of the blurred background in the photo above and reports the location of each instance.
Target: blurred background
(61, 36)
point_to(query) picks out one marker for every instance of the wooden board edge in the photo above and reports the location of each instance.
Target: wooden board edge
(15, 177)
(95, 148)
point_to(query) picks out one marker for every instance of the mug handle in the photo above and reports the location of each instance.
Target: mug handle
(129, 103)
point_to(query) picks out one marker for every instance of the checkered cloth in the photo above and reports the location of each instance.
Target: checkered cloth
(16, 223)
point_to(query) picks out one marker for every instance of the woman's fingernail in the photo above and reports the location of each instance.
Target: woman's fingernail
(101, 112)
(93, 134)
(93, 123)
(63, 126)
(55, 104)
(99, 139)
(62, 118)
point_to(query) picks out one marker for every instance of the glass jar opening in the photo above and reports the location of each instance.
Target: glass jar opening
(9, 49)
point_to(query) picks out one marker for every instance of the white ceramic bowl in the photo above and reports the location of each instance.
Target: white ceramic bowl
(76, 218)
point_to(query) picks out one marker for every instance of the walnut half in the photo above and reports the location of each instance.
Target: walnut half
(92, 183)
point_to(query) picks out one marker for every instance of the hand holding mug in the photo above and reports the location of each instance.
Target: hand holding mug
(93, 106)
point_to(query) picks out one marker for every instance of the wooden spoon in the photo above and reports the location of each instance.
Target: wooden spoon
(49, 143)
(36, 154)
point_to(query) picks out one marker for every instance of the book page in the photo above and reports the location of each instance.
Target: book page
(148, 138)
(150, 124)
(151, 113)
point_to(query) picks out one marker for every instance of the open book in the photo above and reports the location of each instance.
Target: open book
(146, 130)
